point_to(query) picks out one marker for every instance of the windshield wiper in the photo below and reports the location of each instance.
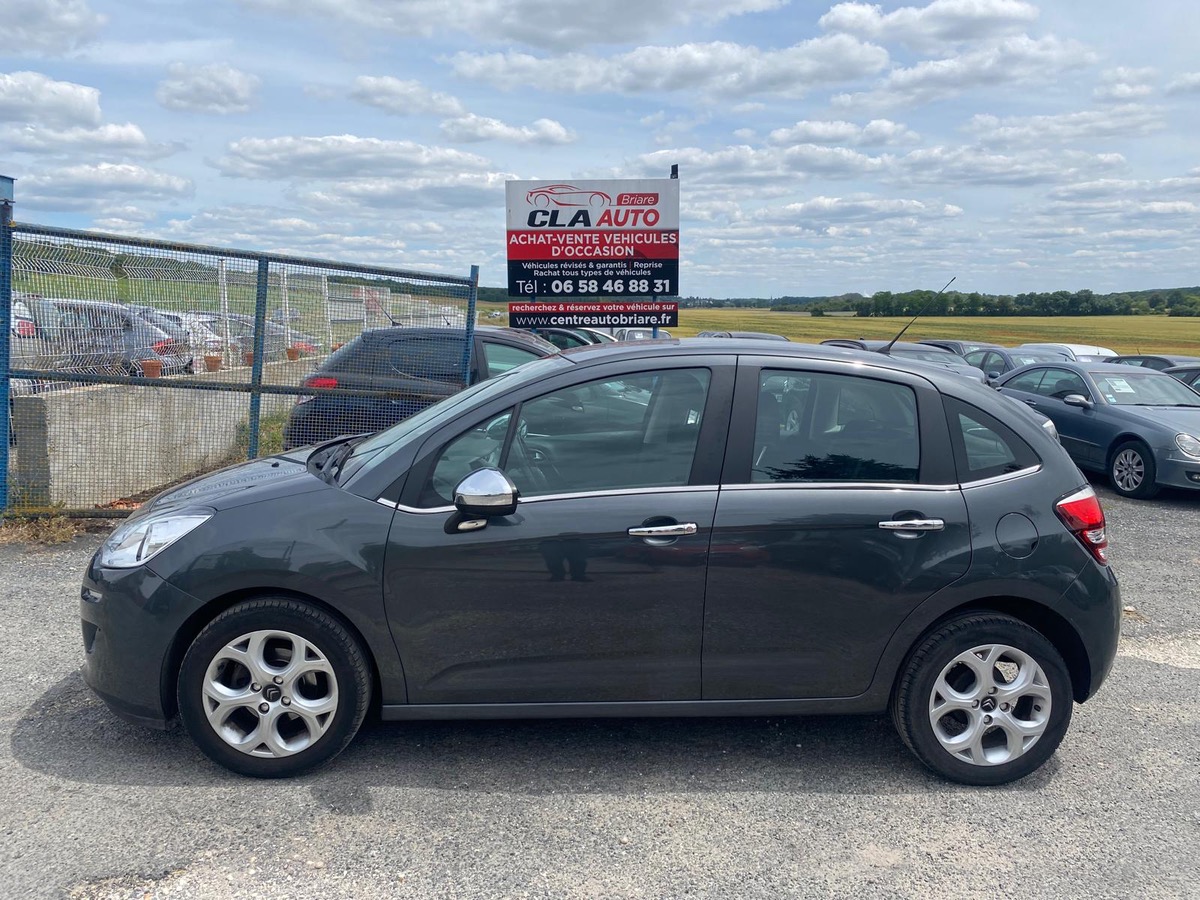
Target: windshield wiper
(331, 466)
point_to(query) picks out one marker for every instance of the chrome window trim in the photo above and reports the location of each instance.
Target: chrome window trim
(578, 495)
(1000, 479)
(840, 485)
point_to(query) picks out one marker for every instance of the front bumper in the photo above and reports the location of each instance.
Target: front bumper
(130, 621)
(1177, 470)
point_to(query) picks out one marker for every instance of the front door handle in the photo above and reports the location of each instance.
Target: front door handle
(911, 528)
(677, 530)
(1031, 402)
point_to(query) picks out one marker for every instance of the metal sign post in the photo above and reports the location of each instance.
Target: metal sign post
(6, 256)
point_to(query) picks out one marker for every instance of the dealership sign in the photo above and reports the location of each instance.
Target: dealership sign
(593, 238)
(603, 314)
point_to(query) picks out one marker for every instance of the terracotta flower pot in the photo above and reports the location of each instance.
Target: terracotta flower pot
(338, 345)
(212, 363)
(293, 353)
(151, 368)
(248, 358)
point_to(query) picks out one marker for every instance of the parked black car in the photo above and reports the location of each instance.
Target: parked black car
(1189, 375)
(627, 530)
(1138, 426)
(385, 375)
(1158, 362)
(567, 338)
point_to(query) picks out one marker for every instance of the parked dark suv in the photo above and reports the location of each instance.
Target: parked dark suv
(385, 375)
(628, 529)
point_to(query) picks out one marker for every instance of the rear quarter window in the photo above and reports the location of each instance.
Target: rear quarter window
(984, 447)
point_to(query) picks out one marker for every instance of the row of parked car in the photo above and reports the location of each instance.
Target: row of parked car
(1135, 418)
(95, 337)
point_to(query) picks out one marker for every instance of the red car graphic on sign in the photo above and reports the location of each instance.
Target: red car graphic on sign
(567, 195)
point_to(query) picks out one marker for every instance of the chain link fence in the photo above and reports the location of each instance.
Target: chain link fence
(135, 364)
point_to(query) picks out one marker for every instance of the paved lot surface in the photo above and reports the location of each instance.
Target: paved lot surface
(767, 808)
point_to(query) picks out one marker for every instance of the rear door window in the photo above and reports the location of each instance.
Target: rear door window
(437, 358)
(824, 427)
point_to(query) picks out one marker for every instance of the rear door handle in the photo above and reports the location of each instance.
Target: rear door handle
(911, 528)
(677, 530)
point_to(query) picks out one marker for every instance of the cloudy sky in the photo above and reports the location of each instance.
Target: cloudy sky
(822, 147)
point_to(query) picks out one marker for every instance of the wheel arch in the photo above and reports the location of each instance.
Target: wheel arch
(1055, 627)
(195, 623)
(1120, 439)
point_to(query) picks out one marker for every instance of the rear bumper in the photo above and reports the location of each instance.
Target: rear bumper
(1095, 597)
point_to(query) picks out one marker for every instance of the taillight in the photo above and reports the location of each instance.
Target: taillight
(1084, 518)
(25, 328)
(162, 348)
(320, 381)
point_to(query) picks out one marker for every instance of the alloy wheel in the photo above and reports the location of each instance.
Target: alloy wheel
(270, 693)
(990, 705)
(1128, 470)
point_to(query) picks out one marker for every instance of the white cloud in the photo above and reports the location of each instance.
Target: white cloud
(826, 210)
(877, 132)
(1016, 60)
(31, 97)
(733, 166)
(975, 165)
(1185, 84)
(459, 191)
(472, 128)
(215, 88)
(113, 139)
(47, 27)
(403, 98)
(1130, 120)
(1123, 84)
(87, 187)
(719, 68)
(341, 156)
(932, 26)
(539, 23)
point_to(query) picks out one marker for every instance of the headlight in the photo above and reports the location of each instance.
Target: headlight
(140, 540)
(1188, 444)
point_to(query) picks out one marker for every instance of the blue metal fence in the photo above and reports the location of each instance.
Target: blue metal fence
(129, 364)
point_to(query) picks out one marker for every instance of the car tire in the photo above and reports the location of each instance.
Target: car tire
(978, 726)
(302, 714)
(1132, 471)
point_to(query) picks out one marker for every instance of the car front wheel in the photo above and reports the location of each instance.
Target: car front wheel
(983, 700)
(1132, 471)
(273, 687)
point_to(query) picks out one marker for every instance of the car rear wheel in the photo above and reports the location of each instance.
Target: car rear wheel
(273, 687)
(1132, 471)
(983, 700)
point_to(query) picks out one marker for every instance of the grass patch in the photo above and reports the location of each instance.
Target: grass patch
(44, 531)
(270, 436)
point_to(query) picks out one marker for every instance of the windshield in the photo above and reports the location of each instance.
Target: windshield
(379, 447)
(1144, 389)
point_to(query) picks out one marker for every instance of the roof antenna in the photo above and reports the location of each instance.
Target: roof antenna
(888, 348)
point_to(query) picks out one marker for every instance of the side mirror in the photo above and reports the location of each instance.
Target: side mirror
(992, 376)
(1077, 400)
(486, 493)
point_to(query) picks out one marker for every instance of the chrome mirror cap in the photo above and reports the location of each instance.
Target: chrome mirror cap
(486, 492)
(1077, 400)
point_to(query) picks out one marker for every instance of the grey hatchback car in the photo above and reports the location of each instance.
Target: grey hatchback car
(628, 529)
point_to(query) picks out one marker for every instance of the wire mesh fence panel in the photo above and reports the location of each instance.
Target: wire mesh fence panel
(135, 363)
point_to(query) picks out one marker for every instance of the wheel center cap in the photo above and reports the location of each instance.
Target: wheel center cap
(988, 705)
(272, 694)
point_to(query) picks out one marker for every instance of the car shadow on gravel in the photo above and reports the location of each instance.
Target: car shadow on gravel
(68, 733)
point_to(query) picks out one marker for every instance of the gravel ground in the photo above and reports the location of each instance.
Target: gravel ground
(614, 808)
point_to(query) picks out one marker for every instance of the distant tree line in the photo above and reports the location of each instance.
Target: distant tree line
(1165, 302)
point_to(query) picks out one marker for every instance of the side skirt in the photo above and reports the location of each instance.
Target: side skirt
(861, 705)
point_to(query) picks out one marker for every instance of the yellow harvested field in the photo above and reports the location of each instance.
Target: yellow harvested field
(1125, 334)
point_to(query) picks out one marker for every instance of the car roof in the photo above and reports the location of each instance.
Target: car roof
(1091, 368)
(520, 335)
(1171, 357)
